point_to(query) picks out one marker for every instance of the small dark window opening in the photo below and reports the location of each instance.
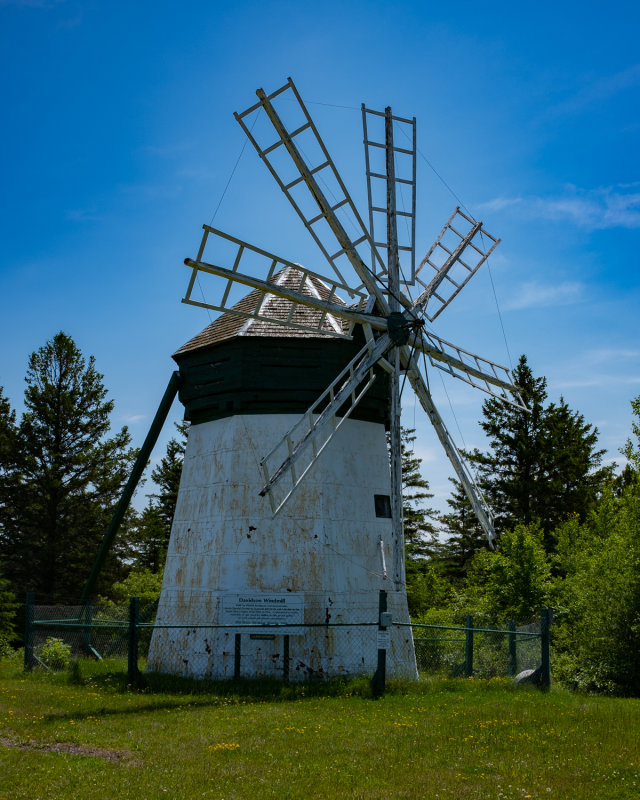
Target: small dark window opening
(383, 505)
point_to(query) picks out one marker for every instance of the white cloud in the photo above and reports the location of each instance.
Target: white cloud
(593, 209)
(132, 419)
(535, 295)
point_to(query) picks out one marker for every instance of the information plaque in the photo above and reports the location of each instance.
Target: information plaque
(263, 609)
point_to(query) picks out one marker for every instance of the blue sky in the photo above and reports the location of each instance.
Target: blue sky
(118, 141)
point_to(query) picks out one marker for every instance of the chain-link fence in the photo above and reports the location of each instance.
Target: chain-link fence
(379, 647)
(468, 651)
(94, 631)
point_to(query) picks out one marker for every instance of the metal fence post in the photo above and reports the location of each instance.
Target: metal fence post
(87, 614)
(378, 681)
(513, 652)
(545, 642)
(133, 674)
(29, 659)
(468, 649)
(286, 658)
(236, 656)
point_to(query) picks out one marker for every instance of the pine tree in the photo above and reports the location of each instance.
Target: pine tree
(631, 449)
(542, 465)
(167, 476)
(423, 584)
(62, 476)
(7, 429)
(572, 475)
(153, 528)
(8, 608)
(510, 473)
(419, 530)
(149, 540)
(7, 450)
(465, 536)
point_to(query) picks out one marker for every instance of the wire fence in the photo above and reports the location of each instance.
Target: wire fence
(468, 651)
(56, 635)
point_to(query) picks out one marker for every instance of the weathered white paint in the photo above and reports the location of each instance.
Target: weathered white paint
(325, 545)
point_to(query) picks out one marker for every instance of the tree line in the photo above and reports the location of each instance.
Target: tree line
(567, 525)
(568, 537)
(62, 470)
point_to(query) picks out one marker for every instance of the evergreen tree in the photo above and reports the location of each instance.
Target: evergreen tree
(510, 472)
(631, 449)
(167, 476)
(149, 540)
(7, 450)
(62, 476)
(153, 527)
(424, 586)
(7, 430)
(465, 536)
(572, 477)
(8, 609)
(419, 530)
(543, 465)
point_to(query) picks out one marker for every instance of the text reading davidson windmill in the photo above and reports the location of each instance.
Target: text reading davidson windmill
(290, 510)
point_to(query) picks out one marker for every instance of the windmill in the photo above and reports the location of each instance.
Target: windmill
(373, 340)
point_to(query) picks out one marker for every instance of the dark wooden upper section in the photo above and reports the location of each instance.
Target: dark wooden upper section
(245, 366)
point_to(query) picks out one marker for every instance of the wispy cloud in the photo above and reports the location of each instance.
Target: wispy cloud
(593, 209)
(598, 381)
(534, 295)
(131, 419)
(426, 454)
(599, 91)
(601, 368)
(606, 354)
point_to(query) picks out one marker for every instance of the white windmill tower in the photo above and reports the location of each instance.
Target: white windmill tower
(288, 509)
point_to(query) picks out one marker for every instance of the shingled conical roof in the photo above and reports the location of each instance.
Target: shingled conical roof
(261, 304)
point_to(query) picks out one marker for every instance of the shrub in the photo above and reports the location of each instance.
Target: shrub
(55, 654)
(6, 651)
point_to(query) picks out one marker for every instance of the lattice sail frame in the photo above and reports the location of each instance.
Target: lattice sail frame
(269, 266)
(324, 170)
(376, 183)
(445, 285)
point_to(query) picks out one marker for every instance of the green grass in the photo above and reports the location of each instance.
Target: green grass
(85, 735)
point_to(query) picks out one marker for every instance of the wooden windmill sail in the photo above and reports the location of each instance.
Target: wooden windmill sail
(367, 308)
(394, 325)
